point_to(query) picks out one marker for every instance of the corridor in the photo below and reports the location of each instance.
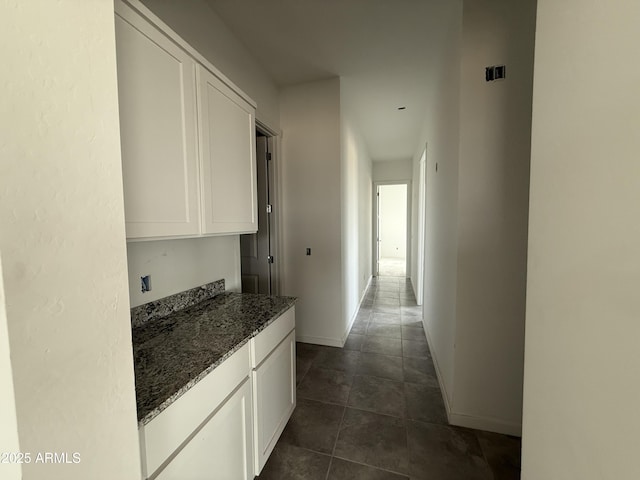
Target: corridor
(373, 410)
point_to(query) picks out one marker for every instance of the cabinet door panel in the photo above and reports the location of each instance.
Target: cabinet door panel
(156, 88)
(227, 139)
(275, 397)
(222, 449)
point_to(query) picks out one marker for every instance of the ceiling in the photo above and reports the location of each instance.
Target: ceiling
(382, 49)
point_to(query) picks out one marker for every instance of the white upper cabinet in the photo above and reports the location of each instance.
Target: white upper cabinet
(228, 158)
(188, 136)
(157, 100)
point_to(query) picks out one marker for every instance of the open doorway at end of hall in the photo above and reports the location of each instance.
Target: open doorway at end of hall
(258, 251)
(391, 229)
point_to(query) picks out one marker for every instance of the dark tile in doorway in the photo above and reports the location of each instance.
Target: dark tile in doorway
(425, 403)
(382, 345)
(383, 366)
(288, 462)
(313, 425)
(378, 395)
(445, 453)
(503, 454)
(345, 470)
(374, 439)
(326, 385)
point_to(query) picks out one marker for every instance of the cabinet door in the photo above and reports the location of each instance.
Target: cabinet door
(228, 158)
(275, 397)
(157, 101)
(222, 448)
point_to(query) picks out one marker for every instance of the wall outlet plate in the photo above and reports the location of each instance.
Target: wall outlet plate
(145, 283)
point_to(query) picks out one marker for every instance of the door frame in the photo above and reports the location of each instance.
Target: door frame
(376, 184)
(422, 225)
(273, 145)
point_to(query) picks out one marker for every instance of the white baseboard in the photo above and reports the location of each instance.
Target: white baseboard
(329, 342)
(443, 389)
(355, 313)
(337, 342)
(461, 420)
(488, 424)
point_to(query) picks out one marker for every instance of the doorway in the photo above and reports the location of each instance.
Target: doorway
(391, 225)
(258, 269)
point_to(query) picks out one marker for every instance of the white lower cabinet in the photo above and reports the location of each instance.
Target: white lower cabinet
(222, 448)
(225, 426)
(275, 397)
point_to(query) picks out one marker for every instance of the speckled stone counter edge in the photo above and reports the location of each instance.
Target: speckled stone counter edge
(156, 411)
(173, 303)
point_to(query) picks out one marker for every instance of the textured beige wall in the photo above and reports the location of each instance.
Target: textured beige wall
(62, 239)
(581, 389)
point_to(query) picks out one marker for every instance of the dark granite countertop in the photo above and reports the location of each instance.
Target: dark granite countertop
(173, 353)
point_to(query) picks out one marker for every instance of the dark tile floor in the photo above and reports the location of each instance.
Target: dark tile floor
(373, 410)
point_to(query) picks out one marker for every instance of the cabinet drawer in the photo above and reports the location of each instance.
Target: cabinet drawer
(164, 434)
(263, 343)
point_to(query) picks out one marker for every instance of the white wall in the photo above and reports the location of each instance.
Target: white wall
(495, 132)
(441, 131)
(582, 359)
(179, 265)
(311, 208)
(62, 239)
(9, 437)
(392, 170)
(356, 193)
(203, 29)
(393, 221)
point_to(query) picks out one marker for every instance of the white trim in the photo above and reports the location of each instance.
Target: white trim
(376, 184)
(439, 376)
(485, 423)
(329, 342)
(462, 420)
(422, 225)
(266, 130)
(357, 310)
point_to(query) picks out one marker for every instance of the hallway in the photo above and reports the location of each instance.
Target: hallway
(373, 410)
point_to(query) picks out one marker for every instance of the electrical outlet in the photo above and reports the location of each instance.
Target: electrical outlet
(145, 283)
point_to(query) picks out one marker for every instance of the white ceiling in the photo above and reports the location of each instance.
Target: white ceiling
(382, 49)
